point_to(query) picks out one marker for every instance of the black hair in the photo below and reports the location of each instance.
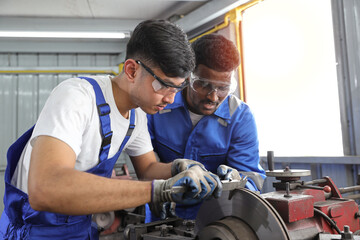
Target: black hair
(162, 44)
(216, 52)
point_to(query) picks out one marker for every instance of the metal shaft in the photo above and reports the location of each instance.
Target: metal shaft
(270, 160)
(349, 189)
(227, 185)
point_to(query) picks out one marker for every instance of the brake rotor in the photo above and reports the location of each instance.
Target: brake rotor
(229, 228)
(241, 214)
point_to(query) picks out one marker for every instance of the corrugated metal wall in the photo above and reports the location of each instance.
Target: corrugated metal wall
(346, 15)
(23, 95)
(352, 29)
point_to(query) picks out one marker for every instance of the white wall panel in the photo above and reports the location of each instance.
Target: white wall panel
(86, 60)
(27, 60)
(23, 95)
(63, 77)
(102, 60)
(47, 83)
(48, 60)
(27, 102)
(8, 116)
(4, 60)
(67, 60)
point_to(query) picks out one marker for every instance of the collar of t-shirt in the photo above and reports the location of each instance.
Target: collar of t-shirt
(195, 118)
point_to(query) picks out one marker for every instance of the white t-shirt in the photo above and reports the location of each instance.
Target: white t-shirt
(70, 114)
(195, 118)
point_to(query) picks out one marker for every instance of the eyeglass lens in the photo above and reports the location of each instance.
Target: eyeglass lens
(206, 87)
(159, 85)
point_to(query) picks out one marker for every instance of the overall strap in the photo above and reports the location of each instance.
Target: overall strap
(104, 111)
(130, 129)
(126, 138)
(14, 152)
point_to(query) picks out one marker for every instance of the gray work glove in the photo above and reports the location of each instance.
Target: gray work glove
(163, 210)
(198, 184)
(228, 173)
(182, 164)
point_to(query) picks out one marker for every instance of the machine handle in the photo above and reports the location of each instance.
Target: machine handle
(270, 160)
(227, 185)
(326, 188)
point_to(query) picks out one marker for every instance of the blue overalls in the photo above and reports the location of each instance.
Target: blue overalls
(20, 221)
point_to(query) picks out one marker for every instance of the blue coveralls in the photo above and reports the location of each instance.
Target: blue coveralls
(20, 221)
(229, 136)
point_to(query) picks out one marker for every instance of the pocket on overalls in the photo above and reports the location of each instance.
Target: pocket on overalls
(212, 160)
(167, 153)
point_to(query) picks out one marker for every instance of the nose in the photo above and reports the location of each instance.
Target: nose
(169, 98)
(212, 96)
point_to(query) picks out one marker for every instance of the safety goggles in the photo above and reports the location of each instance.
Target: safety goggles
(206, 87)
(159, 85)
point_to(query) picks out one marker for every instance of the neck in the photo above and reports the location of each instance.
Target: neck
(121, 96)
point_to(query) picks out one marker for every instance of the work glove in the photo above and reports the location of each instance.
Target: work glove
(228, 173)
(182, 164)
(188, 187)
(163, 210)
(167, 209)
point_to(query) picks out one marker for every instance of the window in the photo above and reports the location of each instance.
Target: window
(290, 77)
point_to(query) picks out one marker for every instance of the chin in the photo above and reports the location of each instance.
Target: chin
(152, 112)
(207, 112)
(149, 111)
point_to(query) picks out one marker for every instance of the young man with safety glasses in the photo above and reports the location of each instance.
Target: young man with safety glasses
(208, 123)
(58, 172)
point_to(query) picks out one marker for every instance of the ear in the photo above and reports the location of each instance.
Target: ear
(130, 67)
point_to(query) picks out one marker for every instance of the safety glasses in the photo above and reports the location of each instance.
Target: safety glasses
(206, 87)
(159, 85)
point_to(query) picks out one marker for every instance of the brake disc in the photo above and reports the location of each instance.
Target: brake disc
(229, 228)
(241, 214)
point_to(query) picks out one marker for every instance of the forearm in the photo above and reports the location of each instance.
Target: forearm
(147, 168)
(76, 193)
(157, 170)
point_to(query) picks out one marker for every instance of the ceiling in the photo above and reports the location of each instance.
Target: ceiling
(100, 16)
(110, 9)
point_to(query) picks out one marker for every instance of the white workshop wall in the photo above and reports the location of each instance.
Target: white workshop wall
(22, 96)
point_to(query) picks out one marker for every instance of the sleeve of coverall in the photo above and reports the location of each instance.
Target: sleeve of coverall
(243, 153)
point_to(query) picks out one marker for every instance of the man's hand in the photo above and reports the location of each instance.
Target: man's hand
(163, 210)
(182, 164)
(198, 183)
(228, 173)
